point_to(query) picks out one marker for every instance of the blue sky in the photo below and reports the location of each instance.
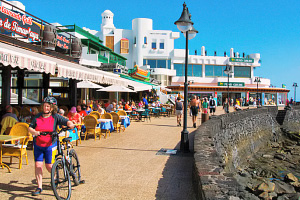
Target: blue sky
(268, 27)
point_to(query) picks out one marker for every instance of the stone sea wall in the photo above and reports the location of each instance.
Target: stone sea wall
(224, 143)
(292, 119)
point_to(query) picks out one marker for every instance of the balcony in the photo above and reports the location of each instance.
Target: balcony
(102, 59)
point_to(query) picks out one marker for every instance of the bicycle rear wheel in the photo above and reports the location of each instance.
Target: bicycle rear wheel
(75, 168)
(60, 181)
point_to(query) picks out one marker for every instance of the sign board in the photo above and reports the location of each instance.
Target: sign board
(234, 84)
(117, 71)
(283, 86)
(244, 60)
(63, 42)
(18, 23)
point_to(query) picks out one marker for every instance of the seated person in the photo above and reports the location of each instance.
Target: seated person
(111, 107)
(100, 109)
(34, 112)
(8, 112)
(74, 116)
(141, 104)
(237, 107)
(120, 106)
(88, 110)
(127, 106)
(153, 104)
(81, 112)
(133, 107)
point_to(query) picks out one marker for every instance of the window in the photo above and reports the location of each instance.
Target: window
(169, 64)
(124, 47)
(152, 63)
(134, 40)
(215, 71)
(145, 40)
(162, 45)
(153, 45)
(179, 69)
(190, 70)
(242, 72)
(197, 70)
(161, 64)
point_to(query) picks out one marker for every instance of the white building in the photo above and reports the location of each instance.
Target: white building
(144, 46)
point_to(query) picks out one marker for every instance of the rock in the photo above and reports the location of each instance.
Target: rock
(233, 198)
(264, 195)
(272, 195)
(295, 184)
(289, 197)
(274, 145)
(291, 177)
(283, 188)
(279, 156)
(266, 187)
(267, 156)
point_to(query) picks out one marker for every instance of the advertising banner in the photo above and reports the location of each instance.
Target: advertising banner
(19, 23)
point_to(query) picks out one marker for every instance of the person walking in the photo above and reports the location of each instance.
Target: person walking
(194, 110)
(212, 106)
(226, 106)
(205, 106)
(178, 110)
(44, 144)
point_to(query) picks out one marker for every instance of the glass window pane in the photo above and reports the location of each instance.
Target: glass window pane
(179, 69)
(190, 70)
(161, 64)
(32, 96)
(169, 64)
(161, 45)
(197, 70)
(153, 45)
(144, 62)
(218, 71)
(209, 70)
(145, 40)
(152, 63)
(244, 72)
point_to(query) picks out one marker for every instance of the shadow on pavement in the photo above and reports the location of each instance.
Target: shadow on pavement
(113, 148)
(23, 191)
(176, 182)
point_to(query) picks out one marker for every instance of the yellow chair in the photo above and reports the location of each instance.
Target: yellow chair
(12, 150)
(96, 114)
(6, 124)
(90, 123)
(122, 113)
(116, 123)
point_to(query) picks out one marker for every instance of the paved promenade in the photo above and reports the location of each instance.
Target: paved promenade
(123, 166)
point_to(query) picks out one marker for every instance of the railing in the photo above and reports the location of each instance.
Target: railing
(102, 59)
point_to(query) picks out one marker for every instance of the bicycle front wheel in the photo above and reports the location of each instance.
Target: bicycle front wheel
(75, 168)
(60, 181)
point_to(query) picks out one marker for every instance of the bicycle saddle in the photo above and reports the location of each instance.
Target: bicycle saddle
(68, 139)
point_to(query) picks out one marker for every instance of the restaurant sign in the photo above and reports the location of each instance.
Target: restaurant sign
(63, 42)
(233, 84)
(245, 60)
(18, 23)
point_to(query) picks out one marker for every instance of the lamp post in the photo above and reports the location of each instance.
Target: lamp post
(185, 25)
(295, 86)
(257, 80)
(228, 72)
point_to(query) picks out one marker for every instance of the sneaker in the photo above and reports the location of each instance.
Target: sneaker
(37, 192)
(194, 125)
(179, 123)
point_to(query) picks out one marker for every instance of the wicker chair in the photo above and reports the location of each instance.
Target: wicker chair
(116, 119)
(122, 113)
(90, 123)
(12, 150)
(107, 116)
(96, 114)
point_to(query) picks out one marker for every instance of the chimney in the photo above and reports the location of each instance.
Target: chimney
(243, 55)
(224, 53)
(203, 51)
(215, 53)
(195, 52)
(231, 52)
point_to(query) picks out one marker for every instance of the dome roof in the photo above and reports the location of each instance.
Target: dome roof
(107, 12)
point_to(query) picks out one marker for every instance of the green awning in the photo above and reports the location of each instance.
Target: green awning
(137, 80)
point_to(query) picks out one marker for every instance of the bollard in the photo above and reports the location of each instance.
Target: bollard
(204, 117)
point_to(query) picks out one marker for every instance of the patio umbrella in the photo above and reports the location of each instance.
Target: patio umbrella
(115, 88)
(87, 85)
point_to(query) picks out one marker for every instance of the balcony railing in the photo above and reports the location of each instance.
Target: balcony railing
(102, 59)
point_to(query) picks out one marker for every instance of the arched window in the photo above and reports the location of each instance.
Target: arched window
(145, 40)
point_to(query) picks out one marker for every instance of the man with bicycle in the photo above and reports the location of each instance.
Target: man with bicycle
(45, 146)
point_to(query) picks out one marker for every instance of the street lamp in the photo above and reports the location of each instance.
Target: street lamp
(257, 80)
(185, 25)
(228, 71)
(295, 86)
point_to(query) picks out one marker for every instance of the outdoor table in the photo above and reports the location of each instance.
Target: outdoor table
(125, 121)
(106, 124)
(140, 112)
(7, 138)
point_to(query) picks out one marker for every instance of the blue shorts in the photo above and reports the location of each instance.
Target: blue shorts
(47, 153)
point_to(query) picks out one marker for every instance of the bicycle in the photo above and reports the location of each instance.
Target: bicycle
(64, 167)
